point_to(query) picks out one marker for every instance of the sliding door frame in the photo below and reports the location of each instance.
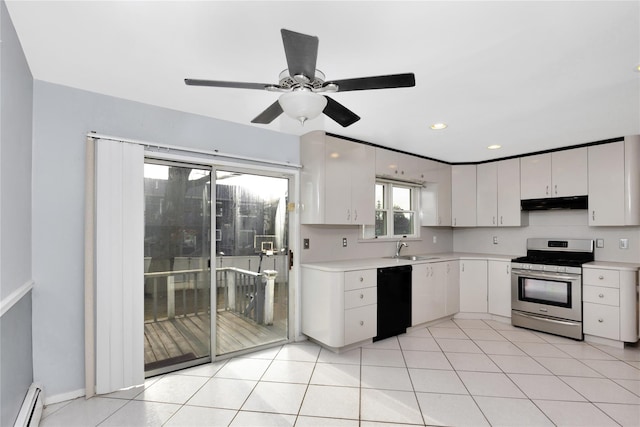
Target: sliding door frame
(293, 175)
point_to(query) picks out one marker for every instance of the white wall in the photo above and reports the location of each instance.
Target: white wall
(561, 223)
(62, 117)
(16, 98)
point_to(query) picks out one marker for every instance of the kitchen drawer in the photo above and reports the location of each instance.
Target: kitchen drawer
(360, 297)
(601, 295)
(360, 323)
(601, 320)
(601, 277)
(360, 279)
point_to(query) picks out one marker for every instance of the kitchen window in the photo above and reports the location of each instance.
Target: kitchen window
(396, 206)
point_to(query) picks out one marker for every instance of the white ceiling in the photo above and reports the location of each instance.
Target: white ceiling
(529, 76)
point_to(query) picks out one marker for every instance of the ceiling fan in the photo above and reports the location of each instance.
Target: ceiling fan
(302, 84)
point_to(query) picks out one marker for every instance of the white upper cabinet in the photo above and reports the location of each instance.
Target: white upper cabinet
(387, 163)
(463, 195)
(557, 174)
(535, 176)
(435, 198)
(614, 181)
(569, 172)
(400, 166)
(487, 194)
(338, 181)
(509, 212)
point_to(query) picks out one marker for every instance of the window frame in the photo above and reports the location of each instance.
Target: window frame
(389, 211)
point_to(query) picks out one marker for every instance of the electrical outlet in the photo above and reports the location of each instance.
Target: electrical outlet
(305, 243)
(495, 240)
(344, 242)
(624, 243)
(599, 243)
(435, 239)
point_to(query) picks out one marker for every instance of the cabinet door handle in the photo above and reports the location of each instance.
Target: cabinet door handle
(362, 279)
(508, 268)
(361, 296)
(555, 187)
(493, 219)
(600, 320)
(355, 213)
(463, 267)
(600, 295)
(593, 215)
(600, 277)
(546, 191)
(454, 222)
(348, 214)
(362, 323)
(501, 220)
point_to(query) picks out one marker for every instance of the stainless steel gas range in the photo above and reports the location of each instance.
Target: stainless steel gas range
(546, 286)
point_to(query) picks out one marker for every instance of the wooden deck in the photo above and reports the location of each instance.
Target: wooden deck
(187, 337)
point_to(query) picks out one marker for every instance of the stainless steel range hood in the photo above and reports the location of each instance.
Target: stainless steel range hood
(574, 202)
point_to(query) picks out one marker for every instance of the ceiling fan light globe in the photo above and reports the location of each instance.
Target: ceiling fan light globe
(302, 105)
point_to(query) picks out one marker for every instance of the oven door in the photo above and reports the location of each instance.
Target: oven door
(556, 295)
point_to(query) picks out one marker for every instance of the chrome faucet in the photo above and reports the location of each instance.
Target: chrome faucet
(399, 245)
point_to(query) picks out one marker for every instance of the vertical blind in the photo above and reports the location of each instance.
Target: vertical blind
(119, 265)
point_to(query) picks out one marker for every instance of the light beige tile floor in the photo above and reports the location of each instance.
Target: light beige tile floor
(457, 373)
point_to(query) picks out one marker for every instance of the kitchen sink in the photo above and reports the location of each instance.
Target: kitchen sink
(413, 257)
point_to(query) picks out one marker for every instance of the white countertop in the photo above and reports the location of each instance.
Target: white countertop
(612, 265)
(367, 263)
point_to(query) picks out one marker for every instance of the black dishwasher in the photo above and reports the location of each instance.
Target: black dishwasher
(394, 301)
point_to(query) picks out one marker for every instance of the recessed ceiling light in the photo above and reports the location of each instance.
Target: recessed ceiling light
(638, 68)
(438, 126)
(494, 147)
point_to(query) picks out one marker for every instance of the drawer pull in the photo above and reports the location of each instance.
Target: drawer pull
(361, 323)
(361, 296)
(600, 320)
(362, 279)
(601, 295)
(600, 277)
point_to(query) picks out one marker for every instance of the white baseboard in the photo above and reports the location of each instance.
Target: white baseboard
(63, 397)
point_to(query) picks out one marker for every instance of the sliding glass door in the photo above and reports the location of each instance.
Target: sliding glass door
(177, 281)
(252, 260)
(251, 264)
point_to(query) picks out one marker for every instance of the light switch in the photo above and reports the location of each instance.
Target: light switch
(624, 243)
(599, 243)
(305, 243)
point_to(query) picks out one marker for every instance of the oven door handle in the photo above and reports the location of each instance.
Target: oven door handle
(546, 319)
(542, 275)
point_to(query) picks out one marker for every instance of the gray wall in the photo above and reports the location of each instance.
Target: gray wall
(569, 224)
(62, 118)
(325, 243)
(16, 96)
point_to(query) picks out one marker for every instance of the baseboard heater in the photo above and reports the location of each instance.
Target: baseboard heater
(31, 410)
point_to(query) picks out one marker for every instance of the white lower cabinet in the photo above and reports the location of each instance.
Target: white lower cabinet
(339, 307)
(453, 287)
(499, 288)
(428, 292)
(610, 303)
(435, 291)
(473, 286)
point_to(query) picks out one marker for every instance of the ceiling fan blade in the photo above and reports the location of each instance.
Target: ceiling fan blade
(218, 83)
(268, 115)
(376, 82)
(302, 52)
(339, 113)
